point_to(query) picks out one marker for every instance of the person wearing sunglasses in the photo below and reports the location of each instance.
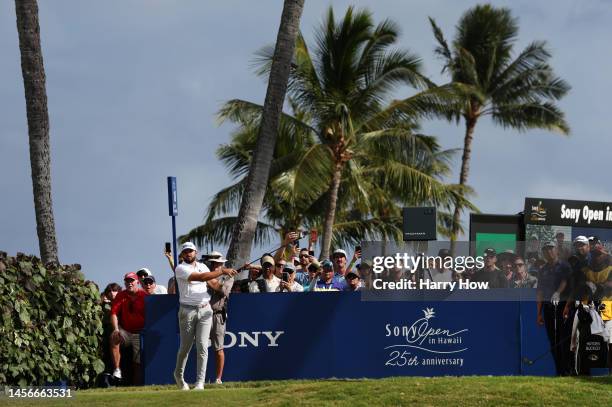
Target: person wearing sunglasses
(522, 279)
(127, 320)
(151, 287)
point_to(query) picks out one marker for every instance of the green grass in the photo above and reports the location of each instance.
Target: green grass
(441, 391)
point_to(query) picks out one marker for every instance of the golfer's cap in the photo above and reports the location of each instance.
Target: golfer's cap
(188, 246)
(328, 264)
(131, 275)
(267, 259)
(490, 252)
(549, 245)
(143, 272)
(339, 251)
(581, 240)
(290, 268)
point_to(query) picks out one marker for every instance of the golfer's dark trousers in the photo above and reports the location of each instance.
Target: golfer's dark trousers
(560, 338)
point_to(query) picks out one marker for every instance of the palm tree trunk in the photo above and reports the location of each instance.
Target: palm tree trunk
(470, 125)
(331, 212)
(259, 171)
(33, 72)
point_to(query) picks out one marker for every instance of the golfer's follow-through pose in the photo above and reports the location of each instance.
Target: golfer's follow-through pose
(195, 313)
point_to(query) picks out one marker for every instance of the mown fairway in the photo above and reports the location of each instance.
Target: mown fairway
(444, 391)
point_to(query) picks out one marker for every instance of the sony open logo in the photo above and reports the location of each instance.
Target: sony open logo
(254, 339)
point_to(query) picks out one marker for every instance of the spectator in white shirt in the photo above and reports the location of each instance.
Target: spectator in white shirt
(268, 282)
(288, 283)
(151, 287)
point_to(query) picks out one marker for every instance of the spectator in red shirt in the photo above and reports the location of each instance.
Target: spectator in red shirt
(127, 320)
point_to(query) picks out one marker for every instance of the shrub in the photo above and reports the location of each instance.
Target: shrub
(50, 325)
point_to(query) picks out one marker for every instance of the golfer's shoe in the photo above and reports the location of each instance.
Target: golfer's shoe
(199, 386)
(180, 382)
(117, 374)
(218, 381)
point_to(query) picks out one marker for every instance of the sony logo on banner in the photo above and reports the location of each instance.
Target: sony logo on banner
(245, 339)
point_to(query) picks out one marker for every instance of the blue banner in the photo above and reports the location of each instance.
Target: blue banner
(323, 335)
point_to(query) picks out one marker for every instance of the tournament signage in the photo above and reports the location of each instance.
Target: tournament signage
(320, 335)
(561, 212)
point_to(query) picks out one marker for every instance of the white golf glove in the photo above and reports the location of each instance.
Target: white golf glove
(592, 286)
(555, 298)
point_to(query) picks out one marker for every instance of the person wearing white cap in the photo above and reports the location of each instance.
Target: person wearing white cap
(222, 287)
(267, 282)
(195, 313)
(339, 257)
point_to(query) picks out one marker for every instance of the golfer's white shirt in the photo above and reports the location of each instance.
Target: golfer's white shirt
(192, 292)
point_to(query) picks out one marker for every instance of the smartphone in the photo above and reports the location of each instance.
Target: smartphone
(311, 252)
(285, 276)
(168, 248)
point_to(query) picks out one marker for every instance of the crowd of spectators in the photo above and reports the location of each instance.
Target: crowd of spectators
(563, 275)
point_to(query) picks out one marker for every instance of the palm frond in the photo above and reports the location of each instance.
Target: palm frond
(219, 232)
(535, 115)
(442, 49)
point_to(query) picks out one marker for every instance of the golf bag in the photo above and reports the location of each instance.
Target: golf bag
(591, 350)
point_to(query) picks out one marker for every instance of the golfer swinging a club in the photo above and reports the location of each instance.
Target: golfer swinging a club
(551, 296)
(195, 313)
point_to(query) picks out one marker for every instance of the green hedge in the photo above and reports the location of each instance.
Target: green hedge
(51, 324)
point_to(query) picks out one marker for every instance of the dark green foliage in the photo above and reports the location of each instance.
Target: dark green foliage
(50, 324)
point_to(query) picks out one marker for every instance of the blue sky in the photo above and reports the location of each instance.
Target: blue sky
(134, 86)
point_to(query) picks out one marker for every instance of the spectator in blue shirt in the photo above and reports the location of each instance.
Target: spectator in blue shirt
(328, 282)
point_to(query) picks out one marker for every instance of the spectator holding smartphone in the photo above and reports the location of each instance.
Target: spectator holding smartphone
(288, 283)
(309, 279)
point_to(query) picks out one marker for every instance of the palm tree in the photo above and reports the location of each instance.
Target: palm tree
(516, 93)
(287, 209)
(344, 86)
(33, 72)
(254, 191)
